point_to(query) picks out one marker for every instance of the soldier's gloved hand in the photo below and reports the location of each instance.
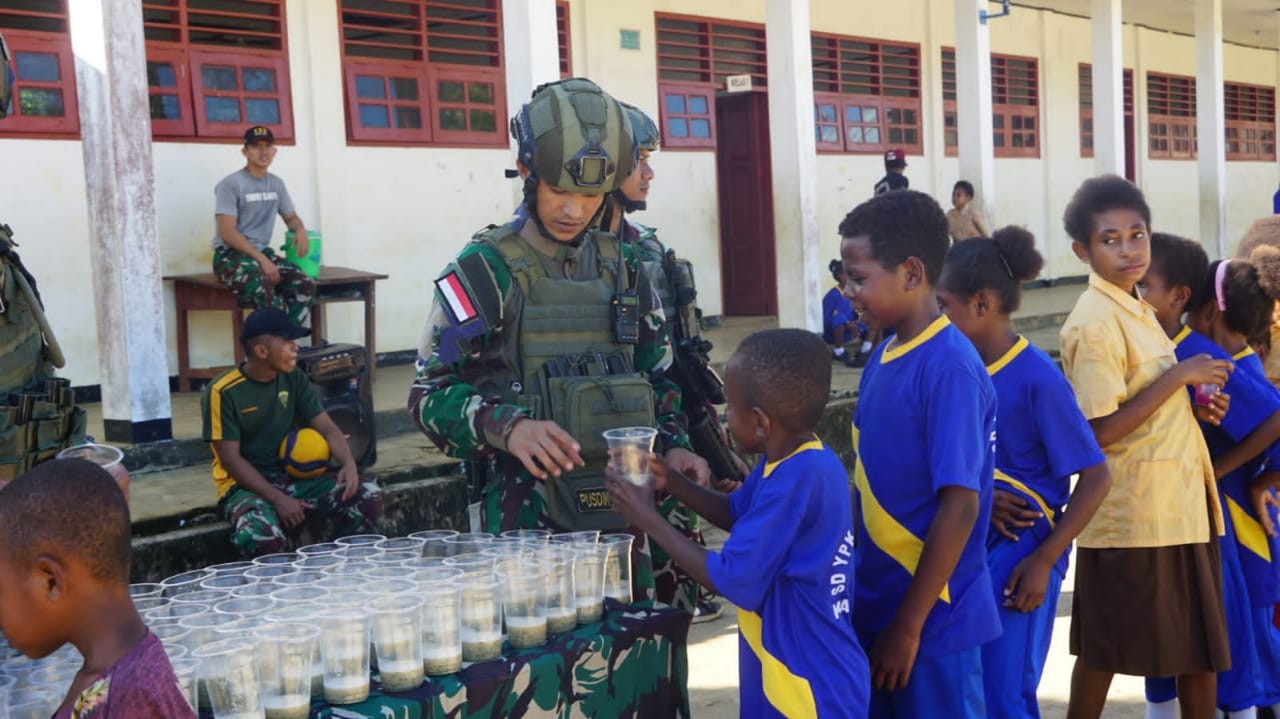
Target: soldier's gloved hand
(689, 464)
(543, 447)
(292, 512)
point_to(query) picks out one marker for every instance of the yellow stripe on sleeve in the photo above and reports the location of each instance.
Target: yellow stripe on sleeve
(789, 694)
(229, 380)
(1249, 530)
(887, 532)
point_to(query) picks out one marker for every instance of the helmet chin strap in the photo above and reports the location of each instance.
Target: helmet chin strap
(531, 204)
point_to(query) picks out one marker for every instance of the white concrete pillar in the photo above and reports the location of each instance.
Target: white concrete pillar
(794, 158)
(973, 102)
(111, 84)
(1108, 89)
(1278, 74)
(931, 103)
(531, 48)
(1211, 126)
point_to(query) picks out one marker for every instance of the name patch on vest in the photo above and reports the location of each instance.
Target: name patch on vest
(593, 499)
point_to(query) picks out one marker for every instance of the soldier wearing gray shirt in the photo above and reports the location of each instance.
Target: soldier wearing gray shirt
(246, 203)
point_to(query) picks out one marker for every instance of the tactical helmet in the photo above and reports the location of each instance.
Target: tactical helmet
(6, 79)
(643, 128)
(574, 136)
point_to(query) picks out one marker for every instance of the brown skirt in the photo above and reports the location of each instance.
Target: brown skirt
(1150, 612)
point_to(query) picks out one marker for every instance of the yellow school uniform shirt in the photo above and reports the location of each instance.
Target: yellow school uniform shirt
(1161, 473)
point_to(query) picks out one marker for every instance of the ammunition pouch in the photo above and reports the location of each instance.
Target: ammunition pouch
(586, 406)
(37, 424)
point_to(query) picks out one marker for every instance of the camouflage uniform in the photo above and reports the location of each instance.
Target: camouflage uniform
(256, 530)
(468, 424)
(240, 272)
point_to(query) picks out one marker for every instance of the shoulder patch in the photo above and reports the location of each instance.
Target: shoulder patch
(472, 301)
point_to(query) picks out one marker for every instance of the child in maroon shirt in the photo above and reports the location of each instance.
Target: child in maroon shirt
(64, 574)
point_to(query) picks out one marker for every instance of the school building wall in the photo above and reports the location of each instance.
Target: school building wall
(406, 211)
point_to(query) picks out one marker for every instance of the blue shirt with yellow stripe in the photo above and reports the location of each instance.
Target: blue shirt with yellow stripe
(788, 566)
(925, 420)
(1043, 440)
(1253, 400)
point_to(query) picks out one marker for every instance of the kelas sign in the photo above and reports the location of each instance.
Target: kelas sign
(738, 83)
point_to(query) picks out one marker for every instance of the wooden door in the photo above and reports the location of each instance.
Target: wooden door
(748, 272)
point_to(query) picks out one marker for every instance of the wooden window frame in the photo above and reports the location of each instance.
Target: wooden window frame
(430, 72)
(1005, 115)
(185, 125)
(1084, 85)
(1171, 114)
(58, 45)
(241, 61)
(564, 38)
(1250, 122)
(687, 90)
(845, 87)
(384, 71)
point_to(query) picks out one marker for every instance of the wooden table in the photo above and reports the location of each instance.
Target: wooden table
(204, 292)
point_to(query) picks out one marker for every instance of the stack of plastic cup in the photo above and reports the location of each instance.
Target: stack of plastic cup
(397, 635)
(524, 602)
(344, 647)
(588, 582)
(433, 541)
(481, 618)
(561, 612)
(230, 678)
(284, 669)
(617, 566)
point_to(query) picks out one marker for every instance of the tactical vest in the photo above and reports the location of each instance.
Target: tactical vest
(38, 416)
(652, 257)
(568, 369)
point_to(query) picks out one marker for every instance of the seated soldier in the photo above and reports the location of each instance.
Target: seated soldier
(246, 203)
(247, 413)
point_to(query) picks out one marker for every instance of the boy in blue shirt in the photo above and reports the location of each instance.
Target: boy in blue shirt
(788, 564)
(840, 326)
(925, 431)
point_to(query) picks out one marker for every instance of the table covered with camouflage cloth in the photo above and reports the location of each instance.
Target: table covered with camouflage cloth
(632, 665)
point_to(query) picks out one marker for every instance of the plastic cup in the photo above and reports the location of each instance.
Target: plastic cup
(433, 541)
(174, 651)
(387, 572)
(532, 535)
(305, 595)
(105, 456)
(629, 450)
(1204, 394)
(150, 604)
(397, 635)
(588, 583)
(231, 567)
(389, 559)
(587, 536)
(53, 678)
(205, 597)
(359, 552)
(276, 560)
(185, 670)
(399, 586)
(466, 543)
(172, 636)
(320, 562)
(481, 624)
(245, 606)
(230, 677)
(242, 628)
(229, 582)
(284, 669)
(30, 702)
(185, 582)
(258, 589)
(267, 572)
(173, 614)
(360, 540)
(344, 647)
(416, 566)
(562, 614)
(314, 550)
(472, 563)
(350, 568)
(201, 628)
(524, 603)
(402, 544)
(441, 629)
(145, 589)
(617, 566)
(300, 578)
(309, 615)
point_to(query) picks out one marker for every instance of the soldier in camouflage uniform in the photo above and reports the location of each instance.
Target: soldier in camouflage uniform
(673, 585)
(246, 204)
(526, 303)
(247, 412)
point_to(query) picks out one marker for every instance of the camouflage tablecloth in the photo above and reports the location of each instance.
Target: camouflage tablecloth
(634, 664)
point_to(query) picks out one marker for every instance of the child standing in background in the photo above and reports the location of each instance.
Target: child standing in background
(924, 429)
(839, 321)
(1045, 442)
(1148, 561)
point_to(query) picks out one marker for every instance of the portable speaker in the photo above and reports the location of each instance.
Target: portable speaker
(340, 373)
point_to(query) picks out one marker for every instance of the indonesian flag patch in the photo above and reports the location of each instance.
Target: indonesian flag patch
(456, 298)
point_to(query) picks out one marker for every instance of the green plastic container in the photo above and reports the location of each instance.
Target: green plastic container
(310, 263)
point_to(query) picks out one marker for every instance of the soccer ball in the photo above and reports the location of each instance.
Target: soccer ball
(304, 453)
